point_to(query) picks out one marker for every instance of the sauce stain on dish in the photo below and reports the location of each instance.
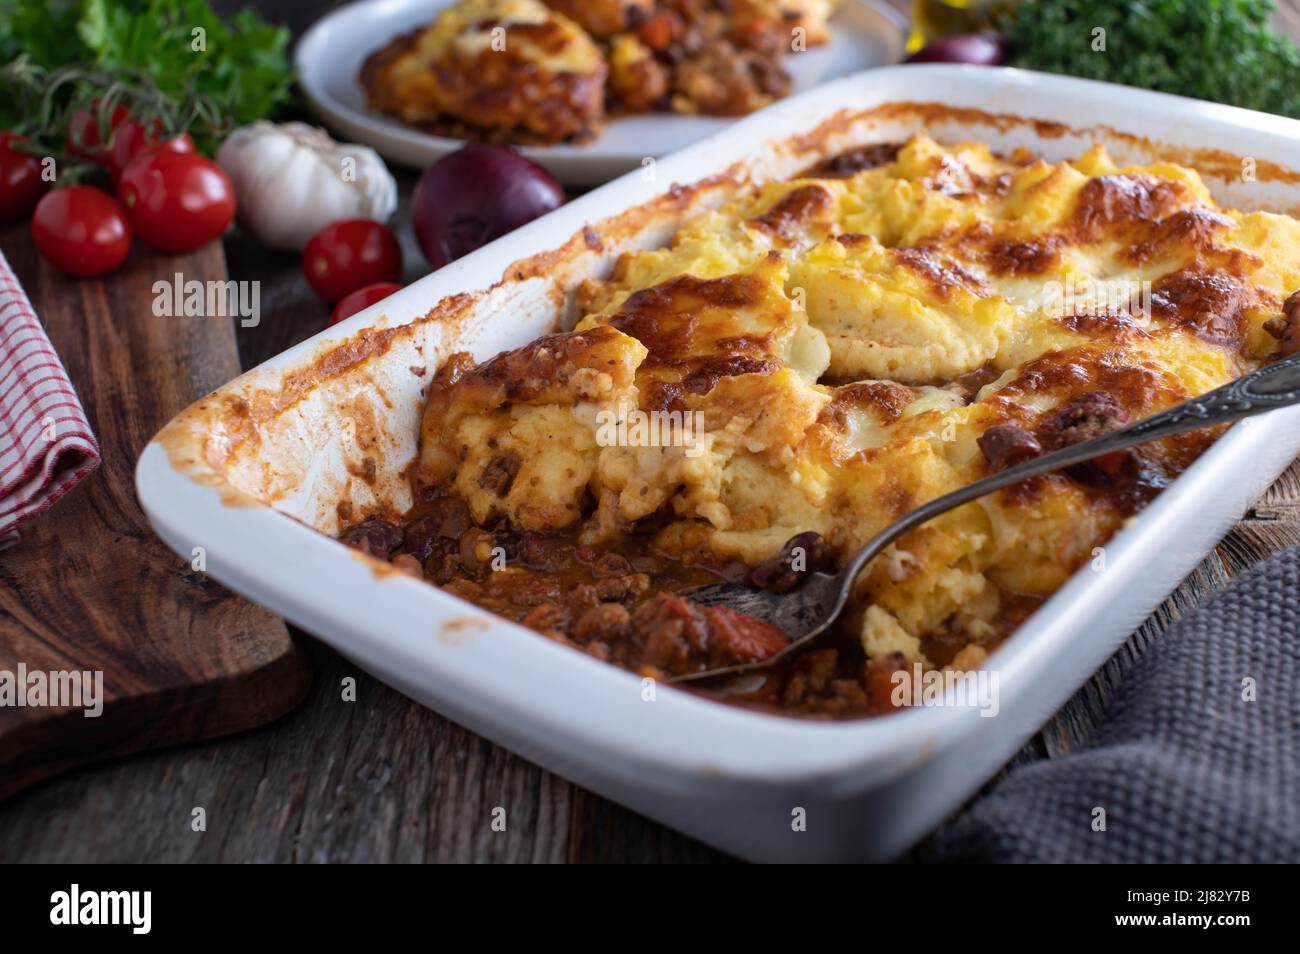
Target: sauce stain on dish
(461, 630)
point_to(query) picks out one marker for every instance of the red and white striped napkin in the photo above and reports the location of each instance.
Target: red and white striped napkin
(46, 445)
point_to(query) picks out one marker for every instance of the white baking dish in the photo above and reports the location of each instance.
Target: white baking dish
(732, 778)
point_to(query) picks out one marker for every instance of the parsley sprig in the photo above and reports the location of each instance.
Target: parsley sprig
(174, 61)
(1220, 50)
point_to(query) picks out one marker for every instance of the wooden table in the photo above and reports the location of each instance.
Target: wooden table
(383, 779)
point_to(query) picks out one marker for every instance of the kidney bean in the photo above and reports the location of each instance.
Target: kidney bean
(374, 537)
(1005, 445)
(803, 553)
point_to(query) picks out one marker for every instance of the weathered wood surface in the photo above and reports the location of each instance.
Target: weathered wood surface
(89, 586)
(382, 779)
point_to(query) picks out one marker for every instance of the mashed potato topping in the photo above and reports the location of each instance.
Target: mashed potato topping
(846, 339)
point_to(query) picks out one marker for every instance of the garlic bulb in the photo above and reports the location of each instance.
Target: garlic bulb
(291, 180)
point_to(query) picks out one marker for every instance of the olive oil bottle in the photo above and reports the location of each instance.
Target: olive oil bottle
(935, 18)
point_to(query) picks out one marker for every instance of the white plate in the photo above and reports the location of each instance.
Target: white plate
(864, 34)
(730, 777)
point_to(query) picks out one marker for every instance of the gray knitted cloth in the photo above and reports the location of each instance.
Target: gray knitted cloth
(1186, 769)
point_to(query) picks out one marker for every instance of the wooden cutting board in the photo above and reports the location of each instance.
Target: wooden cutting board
(89, 586)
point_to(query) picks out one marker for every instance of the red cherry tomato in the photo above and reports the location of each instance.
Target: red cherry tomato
(361, 299)
(131, 139)
(84, 140)
(81, 230)
(351, 254)
(176, 201)
(21, 183)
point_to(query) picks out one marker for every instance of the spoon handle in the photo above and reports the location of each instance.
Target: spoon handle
(1272, 386)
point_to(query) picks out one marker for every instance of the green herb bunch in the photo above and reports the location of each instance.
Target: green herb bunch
(1220, 50)
(170, 61)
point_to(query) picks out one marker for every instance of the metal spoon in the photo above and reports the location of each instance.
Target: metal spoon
(807, 612)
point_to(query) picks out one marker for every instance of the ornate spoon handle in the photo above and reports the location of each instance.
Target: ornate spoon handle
(1271, 387)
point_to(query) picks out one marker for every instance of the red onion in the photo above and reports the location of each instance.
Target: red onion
(982, 49)
(477, 194)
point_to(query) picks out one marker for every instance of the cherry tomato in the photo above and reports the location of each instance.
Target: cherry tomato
(132, 138)
(361, 299)
(177, 201)
(81, 230)
(21, 183)
(84, 140)
(351, 254)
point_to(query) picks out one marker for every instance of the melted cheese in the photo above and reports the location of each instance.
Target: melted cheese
(843, 343)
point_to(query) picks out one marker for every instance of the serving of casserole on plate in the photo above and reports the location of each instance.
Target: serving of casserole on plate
(588, 89)
(882, 290)
(547, 71)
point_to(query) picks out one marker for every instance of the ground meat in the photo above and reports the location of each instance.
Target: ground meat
(811, 677)
(443, 566)
(544, 551)
(534, 591)
(1090, 415)
(1287, 330)
(1128, 474)
(610, 564)
(584, 595)
(1006, 445)
(942, 645)
(647, 563)
(604, 621)
(802, 554)
(718, 78)
(659, 30)
(621, 605)
(548, 618)
(374, 537)
(599, 650)
(679, 637)
(671, 630)
(623, 588)
(464, 589)
(446, 519)
(499, 474)
(880, 679)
